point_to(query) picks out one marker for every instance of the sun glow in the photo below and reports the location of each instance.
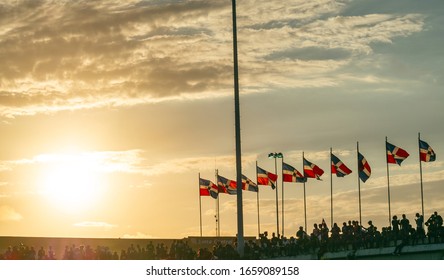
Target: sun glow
(72, 182)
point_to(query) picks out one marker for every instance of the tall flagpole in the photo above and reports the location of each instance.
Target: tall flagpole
(331, 189)
(305, 202)
(359, 184)
(257, 202)
(420, 174)
(277, 196)
(200, 208)
(282, 184)
(217, 205)
(240, 215)
(388, 182)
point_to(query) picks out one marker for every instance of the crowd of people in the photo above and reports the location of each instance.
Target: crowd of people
(351, 236)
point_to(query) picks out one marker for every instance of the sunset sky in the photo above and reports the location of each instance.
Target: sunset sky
(109, 110)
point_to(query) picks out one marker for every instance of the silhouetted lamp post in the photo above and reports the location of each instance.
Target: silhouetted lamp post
(276, 156)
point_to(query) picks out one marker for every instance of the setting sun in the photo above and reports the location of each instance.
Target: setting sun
(71, 182)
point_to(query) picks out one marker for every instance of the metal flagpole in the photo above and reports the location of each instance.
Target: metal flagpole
(359, 184)
(277, 195)
(240, 215)
(282, 184)
(200, 209)
(217, 207)
(331, 189)
(420, 174)
(275, 156)
(388, 182)
(305, 202)
(257, 200)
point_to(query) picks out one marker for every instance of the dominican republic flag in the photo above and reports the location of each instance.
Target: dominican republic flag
(208, 188)
(266, 178)
(426, 152)
(248, 185)
(364, 168)
(338, 167)
(395, 154)
(226, 186)
(291, 175)
(311, 170)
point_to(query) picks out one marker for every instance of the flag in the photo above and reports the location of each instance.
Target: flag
(395, 154)
(291, 175)
(248, 185)
(312, 170)
(338, 167)
(364, 168)
(426, 152)
(266, 178)
(222, 188)
(208, 188)
(204, 191)
(226, 186)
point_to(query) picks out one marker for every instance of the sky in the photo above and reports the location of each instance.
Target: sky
(111, 110)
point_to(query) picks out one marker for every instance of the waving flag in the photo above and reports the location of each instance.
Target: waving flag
(311, 170)
(226, 186)
(208, 188)
(291, 175)
(426, 152)
(364, 168)
(395, 154)
(266, 178)
(338, 167)
(248, 185)
(204, 191)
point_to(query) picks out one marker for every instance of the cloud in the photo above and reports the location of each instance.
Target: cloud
(310, 53)
(104, 161)
(130, 161)
(408, 176)
(296, 155)
(82, 53)
(103, 225)
(357, 33)
(197, 163)
(9, 214)
(74, 55)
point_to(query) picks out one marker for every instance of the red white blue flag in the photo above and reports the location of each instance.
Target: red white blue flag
(248, 185)
(226, 186)
(208, 188)
(364, 168)
(311, 170)
(395, 154)
(426, 152)
(266, 178)
(338, 167)
(291, 175)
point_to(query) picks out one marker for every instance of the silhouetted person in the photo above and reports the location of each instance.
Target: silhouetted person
(420, 232)
(370, 235)
(395, 229)
(335, 237)
(301, 234)
(324, 231)
(41, 254)
(405, 224)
